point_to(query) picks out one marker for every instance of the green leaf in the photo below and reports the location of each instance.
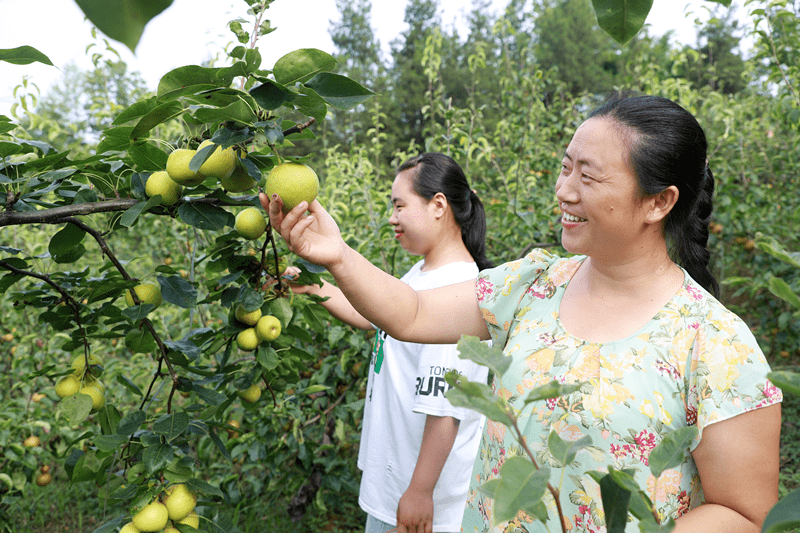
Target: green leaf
(478, 397)
(209, 396)
(24, 55)
(204, 216)
(239, 111)
(484, 354)
(130, 423)
(220, 446)
(312, 105)
(788, 382)
(281, 309)
(565, 451)
(490, 488)
(271, 95)
(622, 19)
(140, 341)
(302, 65)
(128, 384)
(76, 408)
(267, 357)
(109, 443)
(108, 416)
(782, 290)
(189, 79)
(554, 389)
(671, 450)
(139, 312)
(785, 515)
(615, 504)
(122, 20)
(171, 426)
(521, 487)
(110, 526)
(157, 457)
(130, 215)
(203, 487)
(339, 91)
(65, 240)
(774, 248)
(178, 291)
(147, 157)
(158, 115)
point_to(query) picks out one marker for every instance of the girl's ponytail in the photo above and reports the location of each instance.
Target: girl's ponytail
(436, 172)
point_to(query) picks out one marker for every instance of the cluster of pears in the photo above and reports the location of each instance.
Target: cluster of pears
(83, 380)
(223, 164)
(260, 328)
(177, 504)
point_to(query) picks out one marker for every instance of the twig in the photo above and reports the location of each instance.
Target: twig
(297, 128)
(67, 299)
(553, 491)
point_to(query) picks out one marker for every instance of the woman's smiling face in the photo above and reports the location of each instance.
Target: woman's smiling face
(412, 216)
(603, 215)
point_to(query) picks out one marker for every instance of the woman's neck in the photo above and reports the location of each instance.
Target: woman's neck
(449, 249)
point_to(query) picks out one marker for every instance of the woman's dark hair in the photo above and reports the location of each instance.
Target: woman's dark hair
(434, 173)
(668, 147)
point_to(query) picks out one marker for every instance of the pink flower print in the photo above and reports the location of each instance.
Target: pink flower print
(683, 504)
(484, 289)
(665, 368)
(537, 291)
(695, 293)
(772, 394)
(691, 415)
(618, 451)
(585, 522)
(546, 339)
(645, 442)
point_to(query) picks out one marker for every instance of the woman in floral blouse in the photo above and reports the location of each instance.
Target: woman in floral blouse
(647, 338)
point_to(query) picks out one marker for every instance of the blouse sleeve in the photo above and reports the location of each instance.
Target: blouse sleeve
(728, 373)
(499, 291)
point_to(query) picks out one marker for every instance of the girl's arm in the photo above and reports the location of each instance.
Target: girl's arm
(415, 510)
(434, 317)
(336, 304)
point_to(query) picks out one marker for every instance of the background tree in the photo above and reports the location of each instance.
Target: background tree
(84, 103)
(718, 63)
(409, 82)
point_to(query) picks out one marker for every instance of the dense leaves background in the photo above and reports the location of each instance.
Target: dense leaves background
(77, 230)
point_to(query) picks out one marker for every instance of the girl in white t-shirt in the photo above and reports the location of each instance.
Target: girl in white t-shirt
(417, 450)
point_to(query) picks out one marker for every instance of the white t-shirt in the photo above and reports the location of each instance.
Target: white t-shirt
(406, 383)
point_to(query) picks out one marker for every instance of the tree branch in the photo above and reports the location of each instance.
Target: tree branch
(107, 252)
(16, 218)
(299, 127)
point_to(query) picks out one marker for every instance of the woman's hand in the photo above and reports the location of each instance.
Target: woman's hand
(315, 238)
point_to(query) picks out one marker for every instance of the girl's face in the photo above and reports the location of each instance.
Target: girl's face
(413, 217)
(603, 214)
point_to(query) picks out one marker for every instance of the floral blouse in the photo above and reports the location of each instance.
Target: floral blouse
(693, 363)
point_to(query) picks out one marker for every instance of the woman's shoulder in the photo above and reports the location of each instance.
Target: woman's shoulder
(538, 263)
(703, 310)
(539, 272)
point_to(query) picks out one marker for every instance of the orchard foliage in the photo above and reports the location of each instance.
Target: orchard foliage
(78, 232)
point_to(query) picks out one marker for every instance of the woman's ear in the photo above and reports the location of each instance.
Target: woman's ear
(662, 203)
(439, 204)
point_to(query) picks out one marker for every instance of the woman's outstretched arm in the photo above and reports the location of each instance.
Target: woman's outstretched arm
(436, 316)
